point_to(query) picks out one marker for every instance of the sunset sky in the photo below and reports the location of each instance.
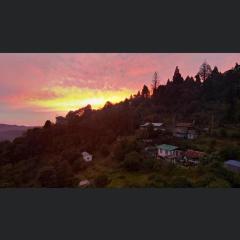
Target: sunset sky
(39, 86)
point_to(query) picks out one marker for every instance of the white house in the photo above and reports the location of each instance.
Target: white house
(166, 150)
(87, 157)
(169, 153)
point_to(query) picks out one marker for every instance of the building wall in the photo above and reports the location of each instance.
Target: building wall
(180, 135)
(192, 135)
(232, 168)
(164, 153)
(184, 133)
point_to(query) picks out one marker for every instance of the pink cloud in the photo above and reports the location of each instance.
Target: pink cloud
(23, 76)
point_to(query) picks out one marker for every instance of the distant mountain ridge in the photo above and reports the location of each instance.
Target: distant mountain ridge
(10, 132)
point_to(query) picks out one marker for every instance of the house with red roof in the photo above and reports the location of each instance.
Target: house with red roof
(193, 156)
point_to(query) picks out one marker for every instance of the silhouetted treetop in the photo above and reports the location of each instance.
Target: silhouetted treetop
(155, 83)
(47, 124)
(177, 77)
(205, 71)
(145, 92)
(108, 104)
(237, 66)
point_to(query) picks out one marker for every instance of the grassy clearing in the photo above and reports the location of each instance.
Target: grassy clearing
(123, 178)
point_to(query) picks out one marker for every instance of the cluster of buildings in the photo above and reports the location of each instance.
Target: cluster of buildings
(183, 130)
(174, 154)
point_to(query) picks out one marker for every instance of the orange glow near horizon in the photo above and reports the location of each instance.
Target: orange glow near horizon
(71, 98)
(39, 86)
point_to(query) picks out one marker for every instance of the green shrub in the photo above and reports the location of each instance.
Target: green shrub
(101, 181)
(157, 165)
(219, 183)
(223, 133)
(180, 182)
(79, 165)
(212, 145)
(104, 150)
(148, 163)
(47, 177)
(230, 152)
(236, 134)
(156, 181)
(204, 180)
(132, 161)
(65, 176)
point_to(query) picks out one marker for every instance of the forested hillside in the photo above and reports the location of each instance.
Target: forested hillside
(50, 156)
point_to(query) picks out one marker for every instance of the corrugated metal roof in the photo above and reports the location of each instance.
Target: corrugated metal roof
(235, 163)
(154, 124)
(167, 147)
(194, 154)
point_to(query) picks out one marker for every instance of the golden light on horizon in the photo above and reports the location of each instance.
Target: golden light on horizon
(71, 98)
